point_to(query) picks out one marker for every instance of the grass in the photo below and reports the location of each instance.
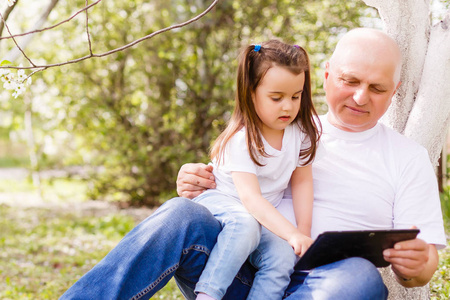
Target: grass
(45, 249)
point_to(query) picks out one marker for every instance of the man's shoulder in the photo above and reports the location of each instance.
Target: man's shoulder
(399, 142)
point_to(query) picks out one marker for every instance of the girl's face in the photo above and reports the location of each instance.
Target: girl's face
(277, 99)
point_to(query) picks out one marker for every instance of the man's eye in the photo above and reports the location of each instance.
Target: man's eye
(351, 82)
(378, 91)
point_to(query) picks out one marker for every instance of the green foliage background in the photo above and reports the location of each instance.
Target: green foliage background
(136, 116)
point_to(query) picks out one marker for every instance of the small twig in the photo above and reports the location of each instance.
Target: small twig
(8, 10)
(91, 55)
(87, 30)
(51, 27)
(15, 42)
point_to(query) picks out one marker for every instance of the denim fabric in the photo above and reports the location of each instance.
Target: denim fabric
(176, 241)
(275, 259)
(239, 237)
(351, 278)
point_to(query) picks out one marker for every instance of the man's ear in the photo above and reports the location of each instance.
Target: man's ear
(327, 72)
(396, 88)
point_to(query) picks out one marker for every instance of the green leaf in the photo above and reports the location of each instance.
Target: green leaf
(5, 62)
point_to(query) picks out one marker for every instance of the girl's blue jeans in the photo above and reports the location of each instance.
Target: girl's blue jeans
(241, 234)
(176, 241)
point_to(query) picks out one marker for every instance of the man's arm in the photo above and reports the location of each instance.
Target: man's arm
(194, 179)
(413, 262)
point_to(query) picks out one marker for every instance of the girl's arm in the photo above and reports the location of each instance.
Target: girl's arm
(265, 213)
(302, 198)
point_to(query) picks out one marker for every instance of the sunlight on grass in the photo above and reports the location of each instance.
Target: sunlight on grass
(45, 249)
(44, 252)
(56, 190)
(440, 283)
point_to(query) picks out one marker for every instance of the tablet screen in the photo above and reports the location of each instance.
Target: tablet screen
(331, 246)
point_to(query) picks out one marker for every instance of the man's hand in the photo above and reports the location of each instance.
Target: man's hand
(413, 261)
(194, 179)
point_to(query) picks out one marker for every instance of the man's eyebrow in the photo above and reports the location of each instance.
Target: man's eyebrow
(348, 75)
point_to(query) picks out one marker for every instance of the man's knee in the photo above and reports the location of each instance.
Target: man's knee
(362, 278)
(184, 209)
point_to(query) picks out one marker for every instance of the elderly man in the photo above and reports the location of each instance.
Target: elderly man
(370, 177)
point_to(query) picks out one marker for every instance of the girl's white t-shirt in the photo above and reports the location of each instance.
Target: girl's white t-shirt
(273, 176)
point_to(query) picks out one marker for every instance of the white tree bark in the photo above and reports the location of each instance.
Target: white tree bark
(421, 108)
(429, 118)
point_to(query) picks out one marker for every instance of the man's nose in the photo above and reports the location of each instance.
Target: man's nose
(361, 96)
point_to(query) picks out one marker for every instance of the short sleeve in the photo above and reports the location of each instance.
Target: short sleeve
(237, 157)
(417, 201)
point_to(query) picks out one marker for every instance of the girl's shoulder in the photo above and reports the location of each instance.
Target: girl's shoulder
(295, 130)
(238, 140)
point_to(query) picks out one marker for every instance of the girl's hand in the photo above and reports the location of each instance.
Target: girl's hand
(194, 179)
(300, 243)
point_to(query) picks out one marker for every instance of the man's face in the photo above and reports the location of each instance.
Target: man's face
(359, 90)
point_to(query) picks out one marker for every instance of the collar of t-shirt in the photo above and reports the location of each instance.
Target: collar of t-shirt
(331, 130)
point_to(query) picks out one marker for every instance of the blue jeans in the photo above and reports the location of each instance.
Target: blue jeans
(238, 239)
(274, 258)
(176, 241)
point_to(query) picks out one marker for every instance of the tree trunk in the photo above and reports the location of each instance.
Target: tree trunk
(421, 107)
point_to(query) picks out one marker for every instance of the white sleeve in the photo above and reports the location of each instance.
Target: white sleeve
(417, 201)
(237, 157)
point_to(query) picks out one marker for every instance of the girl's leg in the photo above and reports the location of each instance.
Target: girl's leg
(175, 240)
(351, 278)
(239, 237)
(275, 259)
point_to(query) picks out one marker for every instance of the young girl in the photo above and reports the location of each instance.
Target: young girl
(271, 139)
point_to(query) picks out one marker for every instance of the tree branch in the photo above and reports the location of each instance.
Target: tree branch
(53, 26)
(91, 55)
(6, 14)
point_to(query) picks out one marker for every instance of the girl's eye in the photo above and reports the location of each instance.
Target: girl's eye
(275, 99)
(296, 97)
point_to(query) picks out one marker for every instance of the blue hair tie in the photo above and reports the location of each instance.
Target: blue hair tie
(257, 47)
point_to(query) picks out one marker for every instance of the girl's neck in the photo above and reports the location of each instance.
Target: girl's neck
(273, 137)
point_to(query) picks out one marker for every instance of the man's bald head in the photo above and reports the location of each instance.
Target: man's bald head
(373, 43)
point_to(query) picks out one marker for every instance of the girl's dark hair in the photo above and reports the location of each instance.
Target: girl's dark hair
(253, 66)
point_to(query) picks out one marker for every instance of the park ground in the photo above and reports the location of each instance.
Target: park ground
(49, 239)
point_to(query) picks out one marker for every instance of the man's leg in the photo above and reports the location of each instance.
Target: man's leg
(175, 240)
(352, 278)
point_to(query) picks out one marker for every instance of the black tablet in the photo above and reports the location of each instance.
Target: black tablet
(331, 246)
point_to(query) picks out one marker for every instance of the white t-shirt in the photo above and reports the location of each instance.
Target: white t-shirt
(273, 176)
(376, 179)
